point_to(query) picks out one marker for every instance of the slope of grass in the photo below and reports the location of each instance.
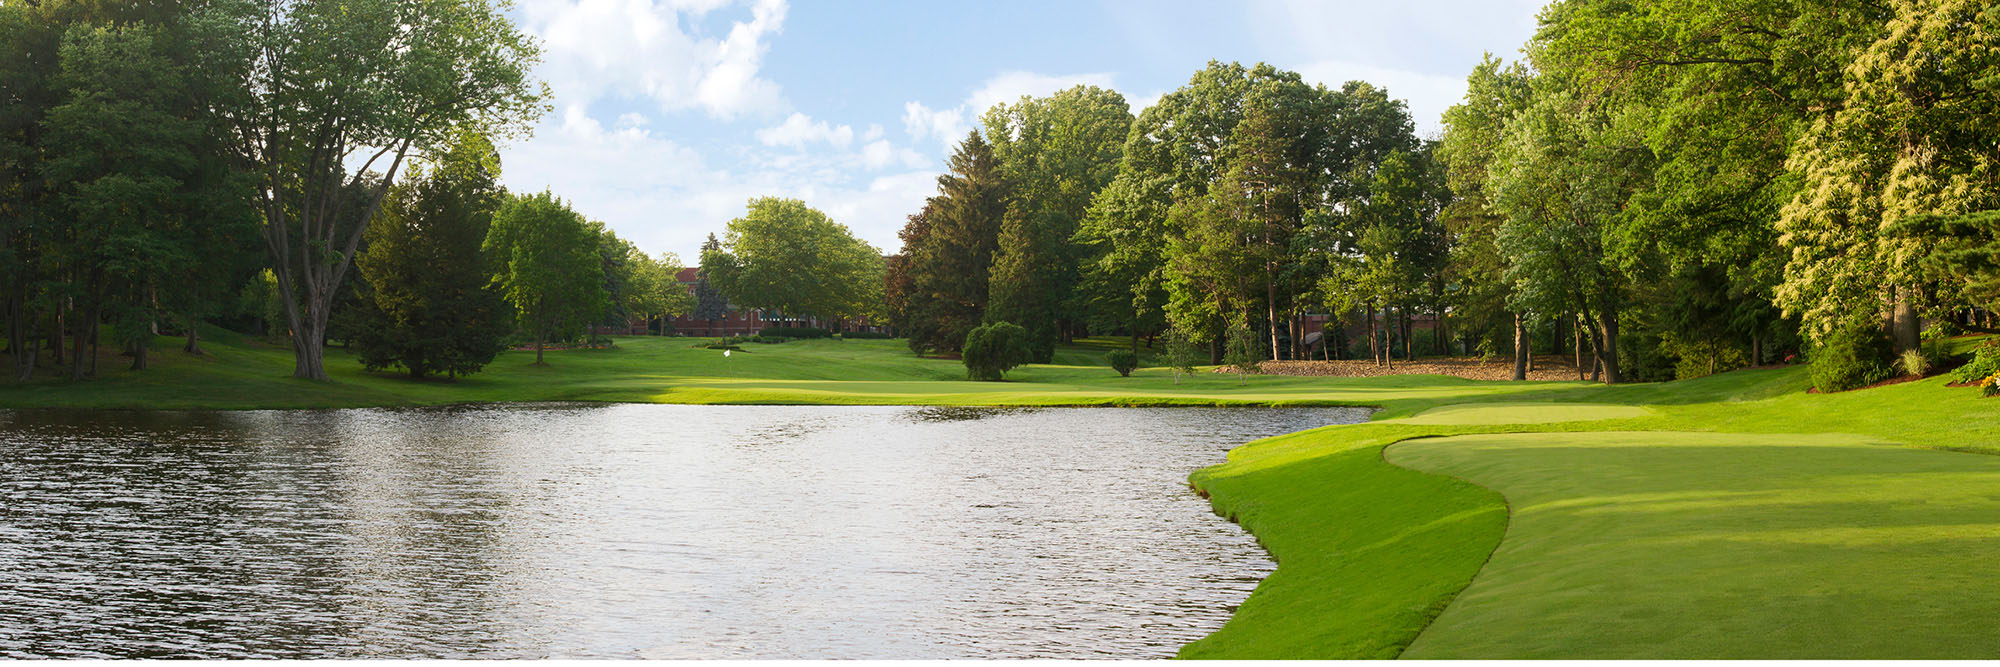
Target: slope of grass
(1312, 498)
(238, 374)
(1709, 545)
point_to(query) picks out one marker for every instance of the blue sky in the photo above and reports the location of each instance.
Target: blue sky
(671, 114)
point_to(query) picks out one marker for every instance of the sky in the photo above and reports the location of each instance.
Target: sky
(670, 115)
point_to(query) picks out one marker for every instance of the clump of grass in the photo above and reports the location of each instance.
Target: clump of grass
(1916, 363)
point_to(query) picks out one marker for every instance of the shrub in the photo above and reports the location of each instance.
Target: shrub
(1852, 356)
(1915, 362)
(796, 332)
(1123, 361)
(1985, 362)
(865, 335)
(993, 349)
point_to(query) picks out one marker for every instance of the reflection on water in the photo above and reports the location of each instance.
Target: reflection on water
(650, 531)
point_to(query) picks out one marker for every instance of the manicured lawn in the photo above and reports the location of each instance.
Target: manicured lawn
(1731, 516)
(1712, 545)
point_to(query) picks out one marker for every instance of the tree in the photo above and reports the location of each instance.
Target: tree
(786, 257)
(1056, 153)
(1473, 131)
(545, 263)
(325, 85)
(709, 303)
(949, 251)
(1912, 137)
(429, 306)
(994, 348)
(1562, 179)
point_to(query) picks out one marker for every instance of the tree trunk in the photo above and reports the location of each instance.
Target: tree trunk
(139, 355)
(194, 336)
(79, 357)
(1607, 350)
(541, 334)
(1756, 350)
(1271, 306)
(1907, 326)
(1374, 351)
(1576, 333)
(1520, 348)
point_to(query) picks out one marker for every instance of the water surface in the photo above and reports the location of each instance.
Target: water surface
(635, 531)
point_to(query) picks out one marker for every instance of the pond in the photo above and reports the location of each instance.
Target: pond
(623, 531)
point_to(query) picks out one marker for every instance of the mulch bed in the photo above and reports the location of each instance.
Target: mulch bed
(1547, 367)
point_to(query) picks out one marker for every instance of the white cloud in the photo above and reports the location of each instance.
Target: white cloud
(874, 132)
(881, 154)
(1010, 87)
(947, 126)
(800, 129)
(1428, 95)
(665, 196)
(604, 48)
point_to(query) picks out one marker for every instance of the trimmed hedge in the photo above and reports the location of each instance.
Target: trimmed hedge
(795, 332)
(865, 335)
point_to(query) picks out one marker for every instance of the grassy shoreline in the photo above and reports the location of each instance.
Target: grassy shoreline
(1403, 536)
(241, 374)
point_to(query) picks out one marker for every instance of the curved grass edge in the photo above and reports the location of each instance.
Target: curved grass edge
(1368, 553)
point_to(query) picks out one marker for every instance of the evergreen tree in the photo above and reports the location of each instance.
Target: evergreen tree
(949, 248)
(428, 305)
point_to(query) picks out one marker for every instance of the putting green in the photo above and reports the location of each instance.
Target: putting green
(1522, 413)
(1713, 545)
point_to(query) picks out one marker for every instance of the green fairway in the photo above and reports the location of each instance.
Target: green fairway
(1703, 545)
(1523, 413)
(1615, 545)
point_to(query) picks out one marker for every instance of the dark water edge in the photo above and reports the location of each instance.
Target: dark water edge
(636, 531)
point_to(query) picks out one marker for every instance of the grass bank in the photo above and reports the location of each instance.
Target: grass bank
(240, 373)
(1732, 516)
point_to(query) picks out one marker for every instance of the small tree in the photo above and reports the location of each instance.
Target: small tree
(993, 349)
(1123, 361)
(1182, 353)
(1241, 350)
(546, 265)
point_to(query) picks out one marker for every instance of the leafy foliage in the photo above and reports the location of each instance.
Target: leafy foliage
(1123, 361)
(994, 348)
(429, 306)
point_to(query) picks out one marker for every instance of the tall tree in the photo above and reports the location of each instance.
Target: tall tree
(1913, 137)
(1564, 174)
(545, 263)
(1473, 131)
(789, 258)
(368, 83)
(949, 250)
(1056, 153)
